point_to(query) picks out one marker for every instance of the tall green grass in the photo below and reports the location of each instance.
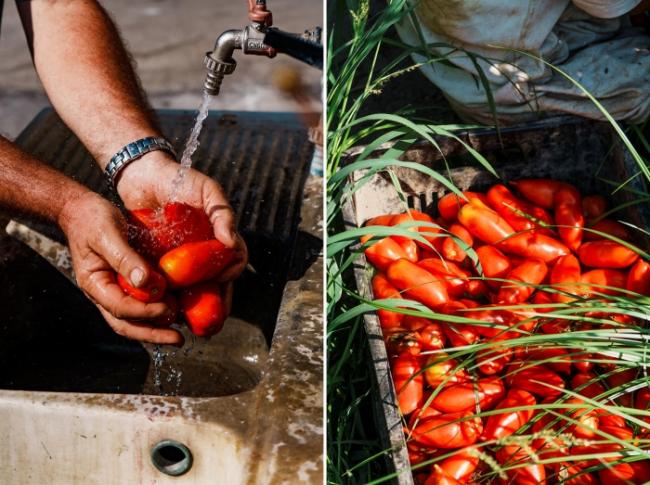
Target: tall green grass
(354, 453)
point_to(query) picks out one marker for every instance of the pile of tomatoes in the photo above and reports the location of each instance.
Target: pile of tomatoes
(539, 243)
(178, 240)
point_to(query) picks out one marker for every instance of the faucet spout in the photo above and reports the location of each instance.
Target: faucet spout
(219, 62)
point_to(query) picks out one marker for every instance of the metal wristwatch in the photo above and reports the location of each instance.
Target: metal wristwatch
(132, 152)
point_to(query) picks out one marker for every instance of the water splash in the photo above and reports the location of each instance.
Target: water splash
(174, 374)
(191, 146)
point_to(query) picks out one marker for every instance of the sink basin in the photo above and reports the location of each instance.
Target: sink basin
(82, 405)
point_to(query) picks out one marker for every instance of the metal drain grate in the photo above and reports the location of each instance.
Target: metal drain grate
(261, 160)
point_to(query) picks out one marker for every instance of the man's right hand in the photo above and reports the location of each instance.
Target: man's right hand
(96, 233)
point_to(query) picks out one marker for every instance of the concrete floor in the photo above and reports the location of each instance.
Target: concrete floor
(168, 40)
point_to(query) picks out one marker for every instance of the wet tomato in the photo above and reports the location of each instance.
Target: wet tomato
(195, 262)
(204, 308)
(157, 231)
(152, 292)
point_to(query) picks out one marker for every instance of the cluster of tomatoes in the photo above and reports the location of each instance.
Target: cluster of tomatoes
(546, 235)
(178, 240)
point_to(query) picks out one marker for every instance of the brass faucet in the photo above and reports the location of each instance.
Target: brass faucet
(258, 38)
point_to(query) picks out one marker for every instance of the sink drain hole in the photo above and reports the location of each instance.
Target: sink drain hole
(171, 457)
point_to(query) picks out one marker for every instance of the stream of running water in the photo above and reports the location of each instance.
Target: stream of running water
(160, 356)
(191, 146)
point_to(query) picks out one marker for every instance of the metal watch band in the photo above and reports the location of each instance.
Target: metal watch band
(132, 152)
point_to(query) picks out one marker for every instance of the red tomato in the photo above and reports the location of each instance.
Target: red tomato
(492, 361)
(409, 383)
(152, 292)
(428, 334)
(381, 289)
(512, 457)
(642, 399)
(440, 477)
(383, 220)
(594, 206)
(204, 308)
(531, 272)
(590, 381)
(540, 192)
(506, 423)
(566, 270)
(608, 226)
(410, 248)
(450, 204)
(451, 274)
(450, 248)
(595, 279)
(494, 264)
(587, 420)
(555, 358)
(514, 210)
(568, 217)
(408, 217)
(620, 379)
(417, 283)
(384, 252)
(438, 369)
(484, 223)
(536, 380)
(533, 245)
(449, 431)
(461, 465)
(606, 254)
(638, 279)
(499, 318)
(195, 262)
(467, 396)
(157, 231)
(460, 334)
(428, 232)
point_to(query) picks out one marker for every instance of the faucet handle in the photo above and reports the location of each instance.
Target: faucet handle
(258, 13)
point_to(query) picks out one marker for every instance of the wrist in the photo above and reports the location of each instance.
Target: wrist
(143, 175)
(65, 215)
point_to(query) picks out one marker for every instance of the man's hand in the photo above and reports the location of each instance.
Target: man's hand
(148, 183)
(96, 236)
